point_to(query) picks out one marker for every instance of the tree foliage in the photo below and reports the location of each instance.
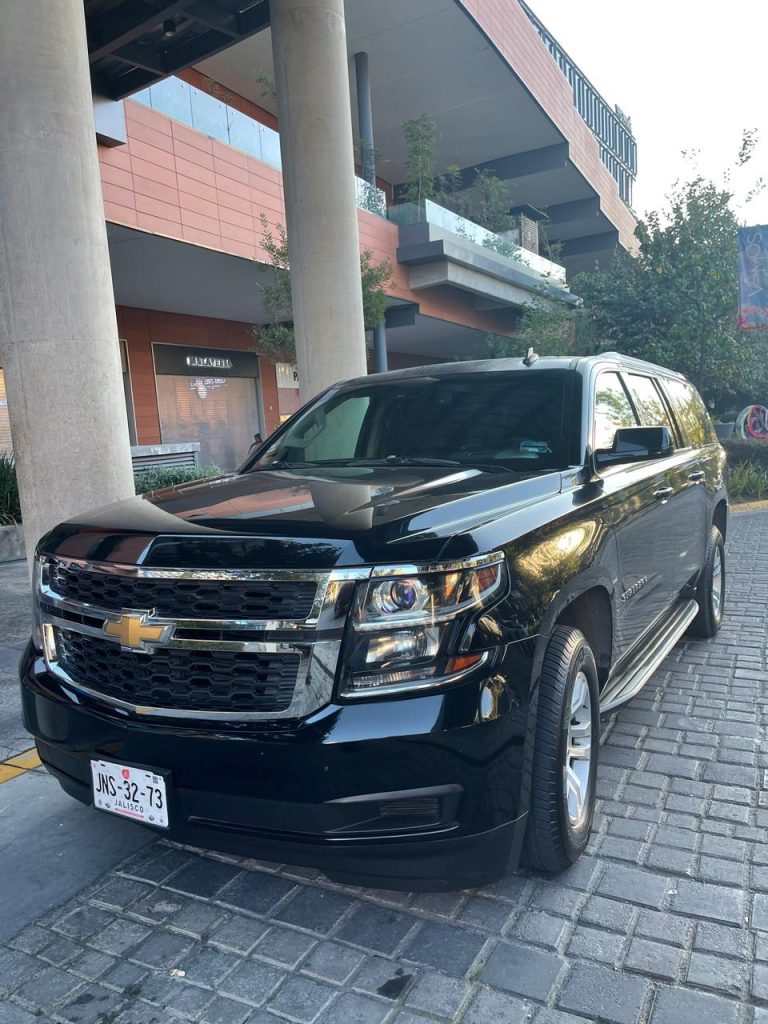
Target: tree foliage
(486, 201)
(547, 327)
(676, 301)
(421, 137)
(276, 339)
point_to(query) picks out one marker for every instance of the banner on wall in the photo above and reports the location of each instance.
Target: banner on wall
(753, 278)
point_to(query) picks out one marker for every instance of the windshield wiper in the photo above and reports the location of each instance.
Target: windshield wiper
(278, 464)
(404, 460)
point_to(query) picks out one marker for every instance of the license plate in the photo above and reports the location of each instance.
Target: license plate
(135, 793)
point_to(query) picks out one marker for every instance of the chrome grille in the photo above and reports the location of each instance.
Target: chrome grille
(178, 679)
(180, 598)
(236, 649)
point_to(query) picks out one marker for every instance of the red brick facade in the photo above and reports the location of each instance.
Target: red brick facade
(141, 328)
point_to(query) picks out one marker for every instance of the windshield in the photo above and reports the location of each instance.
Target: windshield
(518, 420)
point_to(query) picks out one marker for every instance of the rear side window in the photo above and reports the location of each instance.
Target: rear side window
(613, 410)
(648, 402)
(690, 413)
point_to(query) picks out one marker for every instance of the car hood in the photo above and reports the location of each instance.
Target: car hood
(311, 518)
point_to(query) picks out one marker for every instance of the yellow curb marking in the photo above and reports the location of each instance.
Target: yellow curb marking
(18, 764)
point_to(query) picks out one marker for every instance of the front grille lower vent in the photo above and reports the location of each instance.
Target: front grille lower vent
(177, 679)
(174, 598)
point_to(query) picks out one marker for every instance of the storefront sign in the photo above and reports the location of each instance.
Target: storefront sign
(208, 363)
(287, 375)
(185, 361)
(753, 278)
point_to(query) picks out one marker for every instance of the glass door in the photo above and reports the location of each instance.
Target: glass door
(222, 413)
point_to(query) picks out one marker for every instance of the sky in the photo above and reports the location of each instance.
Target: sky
(690, 74)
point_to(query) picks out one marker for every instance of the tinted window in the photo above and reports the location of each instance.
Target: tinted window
(612, 409)
(648, 402)
(526, 420)
(690, 412)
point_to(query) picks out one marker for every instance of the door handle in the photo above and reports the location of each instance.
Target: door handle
(664, 494)
(696, 477)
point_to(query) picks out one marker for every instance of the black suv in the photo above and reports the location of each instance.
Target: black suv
(382, 648)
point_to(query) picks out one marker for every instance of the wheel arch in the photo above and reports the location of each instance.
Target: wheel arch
(720, 517)
(591, 612)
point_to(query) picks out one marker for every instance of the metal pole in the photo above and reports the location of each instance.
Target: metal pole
(368, 162)
(380, 348)
(365, 118)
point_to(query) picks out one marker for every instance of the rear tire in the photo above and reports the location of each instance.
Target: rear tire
(562, 801)
(710, 592)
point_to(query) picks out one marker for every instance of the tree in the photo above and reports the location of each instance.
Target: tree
(548, 327)
(676, 301)
(276, 339)
(421, 137)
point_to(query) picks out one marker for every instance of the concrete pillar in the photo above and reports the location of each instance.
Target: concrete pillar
(58, 332)
(313, 106)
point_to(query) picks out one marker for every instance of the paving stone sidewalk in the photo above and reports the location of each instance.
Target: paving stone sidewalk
(664, 922)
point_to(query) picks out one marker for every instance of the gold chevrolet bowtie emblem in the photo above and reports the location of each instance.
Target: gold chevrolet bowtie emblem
(134, 632)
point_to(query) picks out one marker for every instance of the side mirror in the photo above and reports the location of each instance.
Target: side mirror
(635, 444)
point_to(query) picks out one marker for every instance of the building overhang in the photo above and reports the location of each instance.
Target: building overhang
(437, 56)
(437, 258)
(133, 43)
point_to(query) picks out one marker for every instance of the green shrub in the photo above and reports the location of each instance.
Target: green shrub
(748, 482)
(10, 509)
(154, 479)
(753, 452)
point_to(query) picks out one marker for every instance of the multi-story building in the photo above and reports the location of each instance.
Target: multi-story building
(189, 150)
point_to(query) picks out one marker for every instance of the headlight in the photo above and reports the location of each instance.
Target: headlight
(407, 624)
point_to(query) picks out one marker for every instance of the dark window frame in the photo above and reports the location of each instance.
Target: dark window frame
(616, 372)
(677, 435)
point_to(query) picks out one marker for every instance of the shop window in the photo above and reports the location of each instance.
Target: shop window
(219, 412)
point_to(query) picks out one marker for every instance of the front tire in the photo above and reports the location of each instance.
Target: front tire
(710, 592)
(562, 801)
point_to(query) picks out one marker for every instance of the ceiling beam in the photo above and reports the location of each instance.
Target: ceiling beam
(147, 63)
(604, 242)
(521, 165)
(577, 209)
(145, 57)
(126, 23)
(207, 13)
(534, 161)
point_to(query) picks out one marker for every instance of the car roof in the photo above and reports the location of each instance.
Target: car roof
(580, 364)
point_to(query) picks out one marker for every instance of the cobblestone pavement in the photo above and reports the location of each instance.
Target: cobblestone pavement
(664, 921)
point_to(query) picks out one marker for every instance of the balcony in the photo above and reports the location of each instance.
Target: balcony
(441, 249)
(218, 120)
(611, 128)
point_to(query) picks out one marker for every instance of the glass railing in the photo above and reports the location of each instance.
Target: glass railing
(217, 120)
(432, 213)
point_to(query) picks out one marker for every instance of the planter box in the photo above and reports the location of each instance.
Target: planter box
(12, 543)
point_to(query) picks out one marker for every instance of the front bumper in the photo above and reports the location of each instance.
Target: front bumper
(413, 793)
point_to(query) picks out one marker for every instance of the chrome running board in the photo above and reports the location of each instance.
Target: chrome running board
(633, 678)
